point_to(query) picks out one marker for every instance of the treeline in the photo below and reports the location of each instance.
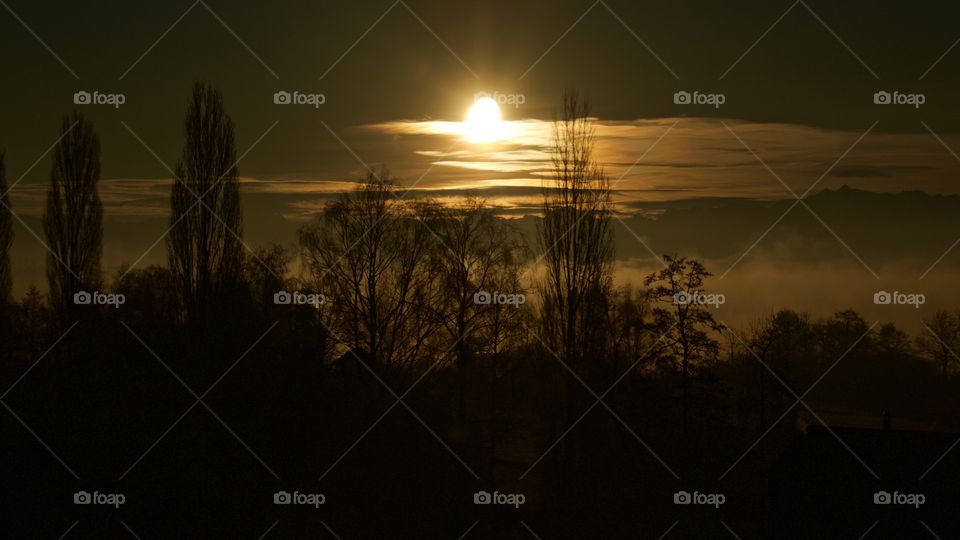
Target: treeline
(400, 278)
(501, 345)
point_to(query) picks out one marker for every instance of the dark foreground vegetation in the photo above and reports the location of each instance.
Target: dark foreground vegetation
(431, 353)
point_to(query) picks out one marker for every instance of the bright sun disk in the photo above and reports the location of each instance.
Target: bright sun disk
(484, 123)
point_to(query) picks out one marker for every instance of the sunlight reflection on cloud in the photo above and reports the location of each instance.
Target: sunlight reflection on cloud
(699, 157)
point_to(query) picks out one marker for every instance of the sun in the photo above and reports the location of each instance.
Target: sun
(484, 123)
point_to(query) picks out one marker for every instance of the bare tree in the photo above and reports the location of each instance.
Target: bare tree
(205, 250)
(73, 221)
(892, 340)
(576, 237)
(576, 245)
(6, 236)
(781, 342)
(683, 318)
(370, 257)
(631, 337)
(479, 260)
(940, 339)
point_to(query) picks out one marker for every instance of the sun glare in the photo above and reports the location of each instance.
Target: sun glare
(484, 123)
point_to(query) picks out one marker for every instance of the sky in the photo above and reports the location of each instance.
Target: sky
(797, 79)
(381, 62)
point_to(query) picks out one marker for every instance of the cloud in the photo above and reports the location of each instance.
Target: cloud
(648, 160)
(684, 157)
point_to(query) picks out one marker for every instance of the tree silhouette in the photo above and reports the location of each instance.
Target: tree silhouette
(6, 237)
(685, 322)
(205, 249)
(632, 341)
(781, 342)
(841, 332)
(478, 256)
(6, 274)
(73, 221)
(575, 237)
(369, 255)
(576, 245)
(892, 340)
(939, 340)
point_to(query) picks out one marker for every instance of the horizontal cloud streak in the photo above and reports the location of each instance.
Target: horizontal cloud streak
(699, 157)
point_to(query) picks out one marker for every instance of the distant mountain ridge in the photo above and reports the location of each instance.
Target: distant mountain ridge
(879, 227)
